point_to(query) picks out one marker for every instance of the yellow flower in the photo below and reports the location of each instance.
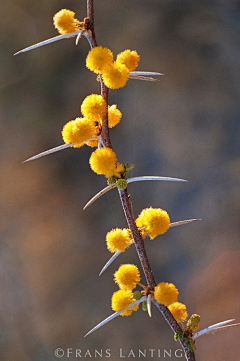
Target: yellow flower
(104, 161)
(165, 293)
(179, 311)
(94, 107)
(92, 143)
(129, 58)
(121, 300)
(97, 59)
(114, 116)
(127, 276)
(153, 221)
(118, 239)
(78, 131)
(65, 22)
(115, 75)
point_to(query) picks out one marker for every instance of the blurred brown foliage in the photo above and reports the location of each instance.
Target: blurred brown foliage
(187, 126)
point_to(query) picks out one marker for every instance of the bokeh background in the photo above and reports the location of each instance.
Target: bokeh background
(186, 126)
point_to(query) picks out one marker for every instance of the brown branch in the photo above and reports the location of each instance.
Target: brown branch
(141, 251)
(104, 90)
(127, 207)
(105, 130)
(139, 243)
(90, 15)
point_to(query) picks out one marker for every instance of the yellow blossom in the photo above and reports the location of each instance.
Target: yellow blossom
(165, 293)
(115, 75)
(153, 221)
(78, 131)
(127, 276)
(179, 311)
(129, 58)
(104, 161)
(121, 300)
(92, 143)
(65, 22)
(98, 58)
(94, 107)
(114, 116)
(118, 239)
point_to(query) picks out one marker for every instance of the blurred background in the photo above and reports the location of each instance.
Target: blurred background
(186, 126)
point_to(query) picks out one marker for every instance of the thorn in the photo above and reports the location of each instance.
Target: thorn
(149, 304)
(116, 314)
(110, 261)
(48, 41)
(180, 223)
(50, 151)
(130, 180)
(99, 194)
(216, 327)
(79, 37)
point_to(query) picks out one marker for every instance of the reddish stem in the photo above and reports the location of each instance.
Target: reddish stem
(127, 207)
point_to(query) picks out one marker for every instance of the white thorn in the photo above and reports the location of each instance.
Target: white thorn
(79, 37)
(110, 261)
(215, 327)
(110, 318)
(144, 75)
(180, 223)
(48, 41)
(50, 151)
(99, 194)
(131, 180)
(149, 298)
(154, 178)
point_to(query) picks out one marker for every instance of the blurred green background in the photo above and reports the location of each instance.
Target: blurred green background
(186, 126)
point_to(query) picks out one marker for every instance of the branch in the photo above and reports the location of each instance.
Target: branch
(127, 207)
(90, 16)
(139, 243)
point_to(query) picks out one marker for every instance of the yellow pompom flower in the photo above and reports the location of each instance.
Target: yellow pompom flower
(114, 116)
(94, 107)
(78, 131)
(129, 58)
(127, 276)
(165, 293)
(104, 161)
(153, 221)
(121, 300)
(179, 311)
(98, 58)
(118, 239)
(115, 75)
(92, 143)
(64, 21)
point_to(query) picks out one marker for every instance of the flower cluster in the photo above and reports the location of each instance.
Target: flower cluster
(152, 222)
(121, 300)
(126, 277)
(118, 239)
(104, 161)
(64, 21)
(114, 73)
(167, 294)
(86, 130)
